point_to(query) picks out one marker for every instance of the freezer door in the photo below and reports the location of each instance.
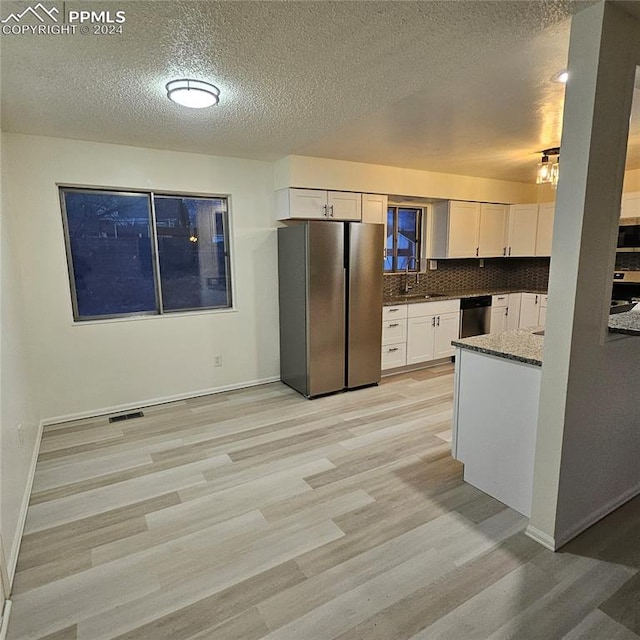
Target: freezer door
(326, 307)
(364, 332)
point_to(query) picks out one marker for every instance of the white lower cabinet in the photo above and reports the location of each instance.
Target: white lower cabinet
(513, 310)
(429, 329)
(530, 310)
(498, 319)
(394, 355)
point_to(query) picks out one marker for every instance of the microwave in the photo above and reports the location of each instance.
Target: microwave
(629, 235)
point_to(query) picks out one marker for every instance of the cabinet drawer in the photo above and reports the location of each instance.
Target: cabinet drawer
(394, 331)
(433, 308)
(394, 355)
(394, 312)
(500, 301)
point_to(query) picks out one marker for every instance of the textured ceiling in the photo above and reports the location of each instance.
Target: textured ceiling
(453, 86)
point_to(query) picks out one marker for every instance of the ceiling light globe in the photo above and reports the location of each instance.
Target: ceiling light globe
(194, 94)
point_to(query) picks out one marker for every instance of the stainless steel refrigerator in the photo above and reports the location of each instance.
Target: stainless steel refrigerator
(330, 292)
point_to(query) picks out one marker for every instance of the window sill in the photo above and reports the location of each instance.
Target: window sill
(159, 316)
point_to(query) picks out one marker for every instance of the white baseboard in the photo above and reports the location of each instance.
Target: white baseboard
(595, 516)
(554, 543)
(541, 538)
(5, 619)
(92, 413)
(12, 560)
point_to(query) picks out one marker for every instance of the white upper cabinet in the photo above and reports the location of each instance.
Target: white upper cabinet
(456, 227)
(544, 234)
(630, 206)
(468, 229)
(493, 227)
(374, 208)
(523, 226)
(309, 204)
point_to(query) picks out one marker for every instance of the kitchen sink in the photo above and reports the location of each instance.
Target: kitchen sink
(424, 296)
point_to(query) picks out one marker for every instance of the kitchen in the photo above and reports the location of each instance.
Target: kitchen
(64, 371)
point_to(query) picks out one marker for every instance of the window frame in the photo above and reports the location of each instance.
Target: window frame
(159, 311)
(420, 222)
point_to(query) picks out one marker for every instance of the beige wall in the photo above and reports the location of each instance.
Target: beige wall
(92, 367)
(17, 397)
(321, 173)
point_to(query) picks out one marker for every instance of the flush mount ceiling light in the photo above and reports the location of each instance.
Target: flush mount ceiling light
(561, 77)
(195, 94)
(549, 167)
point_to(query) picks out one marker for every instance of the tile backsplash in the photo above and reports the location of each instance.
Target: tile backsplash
(516, 274)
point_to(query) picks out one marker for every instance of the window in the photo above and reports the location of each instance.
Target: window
(403, 242)
(145, 253)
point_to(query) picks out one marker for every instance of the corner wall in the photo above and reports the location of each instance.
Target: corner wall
(17, 397)
(86, 368)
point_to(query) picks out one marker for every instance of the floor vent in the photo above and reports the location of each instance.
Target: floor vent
(126, 416)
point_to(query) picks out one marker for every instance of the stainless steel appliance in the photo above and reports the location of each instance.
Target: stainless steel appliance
(629, 235)
(475, 316)
(330, 293)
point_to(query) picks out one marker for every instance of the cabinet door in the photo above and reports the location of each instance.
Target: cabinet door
(307, 203)
(493, 225)
(447, 329)
(542, 316)
(420, 333)
(374, 208)
(544, 234)
(529, 310)
(498, 319)
(513, 310)
(464, 227)
(344, 205)
(630, 205)
(523, 226)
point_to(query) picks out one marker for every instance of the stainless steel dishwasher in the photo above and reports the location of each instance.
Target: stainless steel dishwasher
(475, 316)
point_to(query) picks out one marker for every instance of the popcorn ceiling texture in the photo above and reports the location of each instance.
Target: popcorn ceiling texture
(515, 274)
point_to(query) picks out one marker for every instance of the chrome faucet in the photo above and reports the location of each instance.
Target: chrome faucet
(416, 264)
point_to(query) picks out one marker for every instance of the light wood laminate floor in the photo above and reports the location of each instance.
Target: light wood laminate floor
(259, 514)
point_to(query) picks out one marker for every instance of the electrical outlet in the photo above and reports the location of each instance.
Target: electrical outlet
(217, 360)
(20, 435)
(433, 265)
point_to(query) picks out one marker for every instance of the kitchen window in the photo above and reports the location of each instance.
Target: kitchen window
(145, 253)
(403, 241)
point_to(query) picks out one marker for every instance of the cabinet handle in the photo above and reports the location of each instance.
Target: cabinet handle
(324, 210)
(477, 251)
(331, 207)
(438, 322)
(504, 251)
(395, 324)
(509, 250)
(536, 299)
(433, 321)
(391, 350)
(392, 310)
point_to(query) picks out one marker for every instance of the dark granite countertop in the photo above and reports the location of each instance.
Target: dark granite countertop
(452, 295)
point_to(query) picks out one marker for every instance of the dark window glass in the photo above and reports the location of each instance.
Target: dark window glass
(403, 238)
(112, 243)
(192, 252)
(111, 253)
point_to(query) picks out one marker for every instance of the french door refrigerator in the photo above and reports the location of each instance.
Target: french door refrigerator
(330, 294)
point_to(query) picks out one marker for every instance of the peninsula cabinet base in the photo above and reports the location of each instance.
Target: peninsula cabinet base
(494, 425)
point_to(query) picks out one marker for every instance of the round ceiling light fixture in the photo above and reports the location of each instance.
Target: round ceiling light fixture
(195, 94)
(561, 77)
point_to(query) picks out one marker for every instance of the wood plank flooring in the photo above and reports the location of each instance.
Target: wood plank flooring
(259, 514)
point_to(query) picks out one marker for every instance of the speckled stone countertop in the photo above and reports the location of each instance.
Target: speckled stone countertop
(522, 345)
(453, 295)
(628, 323)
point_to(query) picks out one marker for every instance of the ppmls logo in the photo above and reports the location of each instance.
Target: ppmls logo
(39, 12)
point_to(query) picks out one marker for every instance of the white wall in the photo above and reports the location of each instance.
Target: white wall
(91, 367)
(322, 173)
(17, 398)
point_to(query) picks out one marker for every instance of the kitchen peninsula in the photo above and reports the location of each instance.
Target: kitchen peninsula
(496, 396)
